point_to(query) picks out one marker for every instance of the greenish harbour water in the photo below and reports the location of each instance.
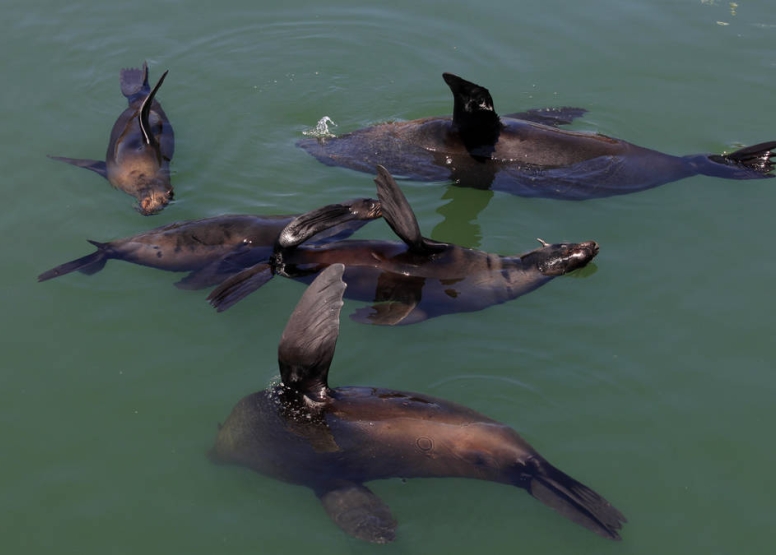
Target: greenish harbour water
(649, 376)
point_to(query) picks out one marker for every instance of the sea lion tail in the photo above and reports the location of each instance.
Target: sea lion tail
(756, 157)
(89, 264)
(571, 499)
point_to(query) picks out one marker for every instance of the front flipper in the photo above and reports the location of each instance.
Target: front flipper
(396, 301)
(239, 286)
(398, 213)
(326, 218)
(550, 116)
(359, 512)
(96, 166)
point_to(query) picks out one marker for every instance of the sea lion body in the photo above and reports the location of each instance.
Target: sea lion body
(410, 287)
(333, 440)
(213, 248)
(409, 280)
(375, 434)
(140, 147)
(529, 156)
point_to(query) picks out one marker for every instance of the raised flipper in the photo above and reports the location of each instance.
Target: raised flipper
(756, 157)
(359, 512)
(134, 83)
(306, 347)
(398, 213)
(326, 219)
(554, 117)
(144, 113)
(240, 286)
(89, 264)
(97, 166)
(474, 116)
(570, 498)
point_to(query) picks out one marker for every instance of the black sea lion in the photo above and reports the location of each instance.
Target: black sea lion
(414, 279)
(141, 146)
(212, 249)
(333, 440)
(524, 154)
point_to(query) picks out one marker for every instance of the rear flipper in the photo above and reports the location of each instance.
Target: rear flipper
(240, 286)
(89, 264)
(754, 160)
(360, 513)
(96, 166)
(134, 83)
(571, 499)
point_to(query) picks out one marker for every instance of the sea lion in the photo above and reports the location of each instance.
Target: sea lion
(414, 279)
(524, 154)
(212, 249)
(333, 440)
(141, 146)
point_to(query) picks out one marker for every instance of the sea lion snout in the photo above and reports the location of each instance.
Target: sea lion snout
(154, 201)
(366, 208)
(562, 258)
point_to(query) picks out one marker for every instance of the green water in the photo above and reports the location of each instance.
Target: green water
(649, 379)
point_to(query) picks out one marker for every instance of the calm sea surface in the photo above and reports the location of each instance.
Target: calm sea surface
(650, 377)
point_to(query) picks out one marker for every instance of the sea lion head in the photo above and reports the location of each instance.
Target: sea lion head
(364, 208)
(152, 199)
(561, 258)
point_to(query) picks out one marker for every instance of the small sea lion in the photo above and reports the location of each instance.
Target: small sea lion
(524, 154)
(332, 440)
(412, 279)
(212, 249)
(141, 146)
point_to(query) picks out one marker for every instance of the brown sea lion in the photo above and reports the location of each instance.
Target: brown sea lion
(141, 146)
(524, 154)
(212, 249)
(412, 279)
(333, 440)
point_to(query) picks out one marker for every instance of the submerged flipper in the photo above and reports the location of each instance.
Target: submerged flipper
(554, 117)
(570, 498)
(97, 166)
(396, 301)
(89, 264)
(360, 513)
(307, 345)
(218, 271)
(398, 213)
(240, 286)
(756, 157)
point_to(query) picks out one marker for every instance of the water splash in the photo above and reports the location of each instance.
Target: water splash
(321, 128)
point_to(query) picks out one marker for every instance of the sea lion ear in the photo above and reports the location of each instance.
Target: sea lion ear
(307, 345)
(398, 213)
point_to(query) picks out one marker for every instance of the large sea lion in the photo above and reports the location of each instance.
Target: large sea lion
(524, 154)
(212, 249)
(412, 279)
(333, 440)
(141, 146)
